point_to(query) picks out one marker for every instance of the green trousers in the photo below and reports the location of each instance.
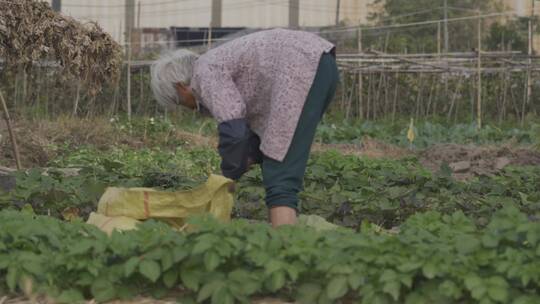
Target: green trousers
(284, 180)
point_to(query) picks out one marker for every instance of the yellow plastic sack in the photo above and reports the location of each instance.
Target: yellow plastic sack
(108, 224)
(122, 208)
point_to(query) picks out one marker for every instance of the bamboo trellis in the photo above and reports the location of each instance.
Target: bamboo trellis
(463, 64)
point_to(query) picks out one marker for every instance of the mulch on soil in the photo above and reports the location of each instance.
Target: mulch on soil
(467, 161)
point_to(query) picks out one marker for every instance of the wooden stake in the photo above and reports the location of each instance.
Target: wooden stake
(11, 134)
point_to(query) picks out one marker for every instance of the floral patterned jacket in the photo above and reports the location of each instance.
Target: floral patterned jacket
(263, 78)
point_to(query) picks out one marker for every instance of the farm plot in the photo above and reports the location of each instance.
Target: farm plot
(410, 233)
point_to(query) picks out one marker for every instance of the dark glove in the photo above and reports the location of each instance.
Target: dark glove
(237, 144)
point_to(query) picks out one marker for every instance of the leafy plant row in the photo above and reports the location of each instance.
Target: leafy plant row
(433, 259)
(427, 133)
(349, 189)
(343, 189)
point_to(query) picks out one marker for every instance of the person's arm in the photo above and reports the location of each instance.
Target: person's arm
(238, 145)
(238, 148)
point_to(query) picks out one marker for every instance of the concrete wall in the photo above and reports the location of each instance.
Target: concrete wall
(197, 13)
(523, 7)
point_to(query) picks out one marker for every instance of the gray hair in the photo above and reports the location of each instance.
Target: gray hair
(169, 69)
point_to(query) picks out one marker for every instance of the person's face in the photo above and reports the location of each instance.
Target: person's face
(186, 95)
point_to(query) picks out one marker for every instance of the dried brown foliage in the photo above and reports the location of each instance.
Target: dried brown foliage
(30, 31)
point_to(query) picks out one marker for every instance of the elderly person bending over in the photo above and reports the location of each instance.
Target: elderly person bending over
(268, 91)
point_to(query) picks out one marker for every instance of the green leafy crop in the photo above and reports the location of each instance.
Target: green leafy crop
(349, 189)
(426, 133)
(434, 258)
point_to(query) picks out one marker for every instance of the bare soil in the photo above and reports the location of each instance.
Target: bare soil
(39, 140)
(369, 148)
(468, 161)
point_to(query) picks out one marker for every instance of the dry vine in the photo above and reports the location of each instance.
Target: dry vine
(31, 32)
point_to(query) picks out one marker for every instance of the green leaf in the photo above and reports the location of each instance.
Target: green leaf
(308, 293)
(4, 260)
(131, 265)
(498, 294)
(293, 272)
(243, 282)
(103, 290)
(272, 265)
(208, 290)
(355, 280)
(12, 277)
(166, 260)
(393, 289)
(450, 289)
(190, 279)
(34, 266)
(211, 260)
(158, 292)
(202, 245)
(429, 270)
(388, 276)
(150, 269)
(409, 266)
(277, 280)
(70, 296)
(81, 247)
(179, 253)
(170, 277)
(467, 244)
(490, 241)
(222, 296)
(472, 281)
(498, 289)
(126, 292)
(337, 287)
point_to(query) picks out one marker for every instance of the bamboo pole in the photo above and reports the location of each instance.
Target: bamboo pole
(504, 98)
(453, 101)
(209, 46)
(129, 82)
(439, 39)
(530, 52)
(11, 134)
(360, 79)
(141, 92)
(479, 73)
(395, 97)
(370, 85)
(77, 98)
